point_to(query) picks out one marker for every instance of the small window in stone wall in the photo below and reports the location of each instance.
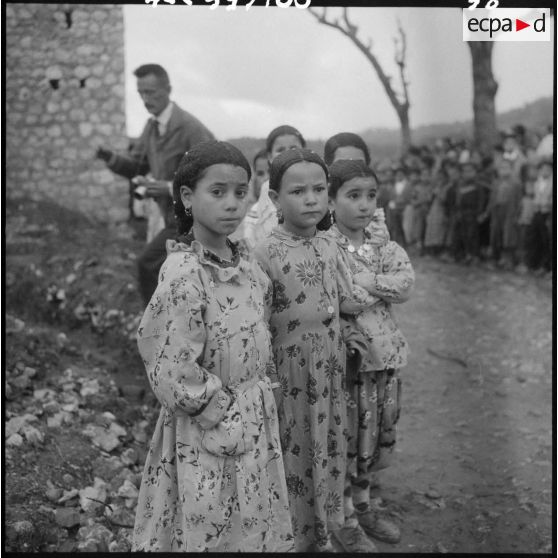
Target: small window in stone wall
(68, 16)
(54, 83)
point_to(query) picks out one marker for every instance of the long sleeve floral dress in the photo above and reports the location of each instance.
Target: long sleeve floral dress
(374, 398)
(310, 282)
(214, 477)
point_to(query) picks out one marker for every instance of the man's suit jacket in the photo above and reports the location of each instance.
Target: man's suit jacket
(160, 155)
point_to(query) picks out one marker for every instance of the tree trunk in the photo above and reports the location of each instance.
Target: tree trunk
(484, 92)
(405, 131)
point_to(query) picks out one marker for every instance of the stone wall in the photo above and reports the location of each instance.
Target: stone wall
(64, 95)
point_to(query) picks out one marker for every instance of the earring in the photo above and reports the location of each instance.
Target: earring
(331, 217)
(280, 218)
(188, 212)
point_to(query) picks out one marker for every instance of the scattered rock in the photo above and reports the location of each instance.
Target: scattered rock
(94, 538)
(120, 516)
(93, 497)
(102, 438)
(117, 429)
(67, 478)
(139, 431)
(441, 548)
(32, 435)
(61, 340)
(433, 494)
(69, 495)
(23, 527)
(51, 407)
(90, 387)
(128, 490)
(109, 417)
(14, 440)
(14, 325)
(129, 456)
(54, 494)
(67, 517)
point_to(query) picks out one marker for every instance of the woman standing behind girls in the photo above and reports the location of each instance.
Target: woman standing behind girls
(214, 477)
(310, 284)
(383, 268)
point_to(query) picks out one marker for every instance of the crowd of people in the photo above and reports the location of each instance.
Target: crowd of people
(269, 336)
(450, 202)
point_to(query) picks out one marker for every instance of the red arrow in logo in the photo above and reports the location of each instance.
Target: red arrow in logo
(519, 24)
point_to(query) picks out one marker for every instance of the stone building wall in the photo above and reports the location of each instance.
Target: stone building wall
(64, 95)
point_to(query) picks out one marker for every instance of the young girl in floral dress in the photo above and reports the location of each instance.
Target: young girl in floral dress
(214, 477)
(383, 268)
(311, 281)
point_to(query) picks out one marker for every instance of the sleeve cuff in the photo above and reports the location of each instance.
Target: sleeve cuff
(214, 411)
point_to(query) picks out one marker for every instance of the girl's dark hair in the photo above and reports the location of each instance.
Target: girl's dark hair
(287, 159)
(192, 168)
(344, 170)
(344, 139)
(284, 130)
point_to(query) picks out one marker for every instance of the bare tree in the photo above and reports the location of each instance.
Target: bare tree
(399, 100)
(484, 93)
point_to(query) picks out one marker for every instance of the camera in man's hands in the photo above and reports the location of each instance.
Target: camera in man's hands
(140, 192)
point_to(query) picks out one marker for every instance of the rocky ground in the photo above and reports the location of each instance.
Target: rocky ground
(474, 460)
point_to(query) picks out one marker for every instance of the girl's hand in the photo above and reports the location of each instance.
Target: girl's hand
(360, 278)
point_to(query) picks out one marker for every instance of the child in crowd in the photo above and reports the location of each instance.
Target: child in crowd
(385, 186)
(261, 172)
(453, 173)
(408, 222)
(468, 204)
(437, 218)
(311, 284)
(503, 208)
(541, 228)
(384, 269)
(260, 166)
(421, 200)
(262, 217)
(526, 215)
(214, 478)
(345, 145)
(402, 192)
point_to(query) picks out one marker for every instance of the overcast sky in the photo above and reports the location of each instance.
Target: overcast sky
(243, 72)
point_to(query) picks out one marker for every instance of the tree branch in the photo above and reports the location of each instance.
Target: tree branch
(400, 59)
(350, 30)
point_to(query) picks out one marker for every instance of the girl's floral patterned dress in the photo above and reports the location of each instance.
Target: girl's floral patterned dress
(375, 397)
(310, 280)
(214, 477)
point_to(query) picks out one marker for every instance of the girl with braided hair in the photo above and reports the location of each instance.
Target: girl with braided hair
(214, 477)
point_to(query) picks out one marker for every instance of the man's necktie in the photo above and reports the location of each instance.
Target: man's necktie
(155, 124)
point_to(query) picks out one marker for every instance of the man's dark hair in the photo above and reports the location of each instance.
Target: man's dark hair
(153, 69)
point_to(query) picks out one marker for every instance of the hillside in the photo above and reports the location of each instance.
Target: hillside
(384, 142)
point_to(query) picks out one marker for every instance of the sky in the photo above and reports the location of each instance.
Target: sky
(244, 72)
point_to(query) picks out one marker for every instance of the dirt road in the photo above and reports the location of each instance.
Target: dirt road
(474, 467)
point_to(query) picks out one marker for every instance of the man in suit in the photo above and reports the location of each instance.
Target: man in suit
(168, 134)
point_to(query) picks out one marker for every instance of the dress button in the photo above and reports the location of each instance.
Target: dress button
(330, 309)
